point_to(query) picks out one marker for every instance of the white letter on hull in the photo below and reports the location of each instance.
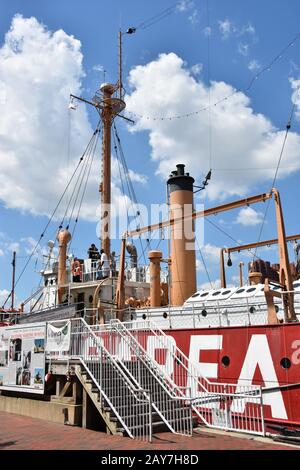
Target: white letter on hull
(206, 369)
(167, 343)
(259, 354)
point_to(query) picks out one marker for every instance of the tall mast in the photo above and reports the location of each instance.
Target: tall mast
(108, 106)
(107, 116)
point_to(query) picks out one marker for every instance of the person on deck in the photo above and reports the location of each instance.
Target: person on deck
(113, 264)
(103, 265)
(76, 271)
(93, 254)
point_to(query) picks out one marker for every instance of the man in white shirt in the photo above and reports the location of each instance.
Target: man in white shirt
(104, 264)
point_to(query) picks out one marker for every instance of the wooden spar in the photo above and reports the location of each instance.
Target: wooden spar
(285, 276)
(120, 292)
(212, 211)
(13, 281)
(248, 246)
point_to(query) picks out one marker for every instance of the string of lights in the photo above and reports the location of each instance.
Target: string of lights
(235, 91)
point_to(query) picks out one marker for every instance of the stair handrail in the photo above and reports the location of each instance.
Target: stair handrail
(127, 378)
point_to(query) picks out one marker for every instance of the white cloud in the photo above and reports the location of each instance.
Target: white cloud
(197, 69)
(207, 31)
(247, 29)
(296, 95)
(39, 70)
(185, 5)
(194, 17)
(247, 216)
(254, 65)
(211, 253)
(241, 138)
(243, 49)
(14, 246)
(98, 68)
(213, 285)
(226, 28)
(3, 295)
(1, 252)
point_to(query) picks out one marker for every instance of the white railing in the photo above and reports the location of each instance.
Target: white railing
(171, 403)
(117, 387)
(220, 405)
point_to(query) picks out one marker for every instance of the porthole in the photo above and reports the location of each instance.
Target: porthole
(252, 309)
(144, 316)
(131, 317)
(204, 313)
(276, 308)
(285, 363)
(225, 361)
(226, 292)
(240, 291)
(165, 315)
(252, 289)
(91, 299)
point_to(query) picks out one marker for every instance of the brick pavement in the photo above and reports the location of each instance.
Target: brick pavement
(23, 433)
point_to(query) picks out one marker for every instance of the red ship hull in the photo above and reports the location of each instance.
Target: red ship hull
(267, 355)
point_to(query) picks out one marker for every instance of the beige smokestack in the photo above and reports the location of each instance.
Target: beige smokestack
(155, 295)
(63, 238)
(183, 260)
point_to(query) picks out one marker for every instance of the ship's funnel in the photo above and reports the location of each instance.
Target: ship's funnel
(63, 238)
(183, 260)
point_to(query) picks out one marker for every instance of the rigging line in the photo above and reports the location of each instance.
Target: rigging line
(158, 17)
(46, 226)
(87, 166)
(121, 178)
(230, 95)
(288, 127)
(132, 196)
(225, 233)
(204, 263)
(208, 81)
(84, 191)
(86, 153)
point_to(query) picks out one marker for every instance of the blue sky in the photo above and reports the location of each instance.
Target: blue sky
(172, 64)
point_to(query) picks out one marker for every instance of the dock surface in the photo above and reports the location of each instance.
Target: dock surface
(24, 433)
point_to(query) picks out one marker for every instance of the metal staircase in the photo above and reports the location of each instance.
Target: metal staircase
(130, 395)
(236, 407)
(141, 382)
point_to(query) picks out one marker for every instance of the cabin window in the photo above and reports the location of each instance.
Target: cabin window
(285, 363)
(195, 295)
(240, 291)
(217, 293)
(204, 294)
(297, 284)
(225, 361)
(226, 292)
(252, 289)
(91, 299)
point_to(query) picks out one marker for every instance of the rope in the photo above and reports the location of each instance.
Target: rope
(30, 256)
(227, 97)
(204, 264)
(84, 189)
(288, 127)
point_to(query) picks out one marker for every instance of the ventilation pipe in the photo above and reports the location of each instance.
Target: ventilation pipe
(63, 238)
(155, 294)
